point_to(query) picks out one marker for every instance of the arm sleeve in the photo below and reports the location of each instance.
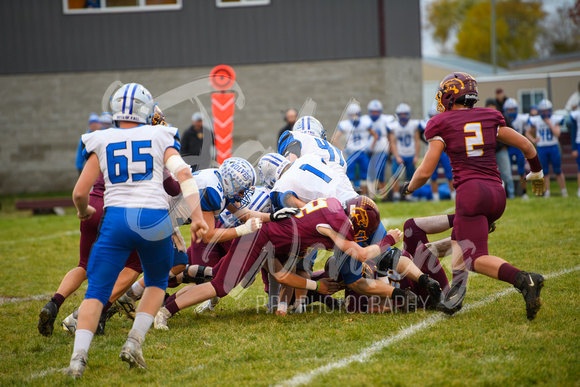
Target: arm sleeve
(80, 161)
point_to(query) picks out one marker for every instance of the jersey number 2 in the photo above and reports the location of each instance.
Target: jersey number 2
(118, 165)
(472, 141)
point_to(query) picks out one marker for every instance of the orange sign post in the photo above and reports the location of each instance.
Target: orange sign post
(222, 77)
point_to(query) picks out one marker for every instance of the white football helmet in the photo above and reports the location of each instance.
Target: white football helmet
(132, 102)
(375, 106)
(403, 112)
(238, 179)
(545, 108)
(270, 168)
(353, 111)
(310, 125)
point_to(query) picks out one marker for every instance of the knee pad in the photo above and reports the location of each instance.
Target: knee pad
(388, 261)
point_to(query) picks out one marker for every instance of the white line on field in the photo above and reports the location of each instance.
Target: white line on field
(43, 238)
(5, 300)
(366, 353)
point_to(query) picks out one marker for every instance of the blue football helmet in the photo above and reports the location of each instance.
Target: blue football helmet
(270, 168)
(132, 102)
(238, 179)
(311, 126)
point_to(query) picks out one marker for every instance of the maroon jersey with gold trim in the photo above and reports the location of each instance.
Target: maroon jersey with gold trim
(470, 140)
(296, 234)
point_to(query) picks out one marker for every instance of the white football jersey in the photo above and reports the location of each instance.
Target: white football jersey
(543, 131)
(211, 191)
(311, 178)
(405, 137)
(357, 137)
(575, 115)
(380, 126)
(520, 123)
(260, 202)
(132, 164)
(310, 145)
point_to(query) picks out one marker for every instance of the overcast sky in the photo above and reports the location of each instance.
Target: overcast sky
(429, 48)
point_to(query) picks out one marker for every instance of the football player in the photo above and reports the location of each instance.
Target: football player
(519, 121)
(404, 137)
(132, 159)
(575, 136)
(544, 131)
(379, 152)
(469, 137)
(358, 131)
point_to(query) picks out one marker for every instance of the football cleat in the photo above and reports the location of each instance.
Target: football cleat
(207, 306)
(453, 302)
(78, 363)
(46, 318)
(132, 352)
(530, 285)
(127, 305)
(408, 303)
(433, 288)
(70, 322)
(160, 321)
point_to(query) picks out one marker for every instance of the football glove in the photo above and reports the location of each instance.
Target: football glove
(284, 213)
(405, 190)
(178, 241)
(538, 183)
(157, 118)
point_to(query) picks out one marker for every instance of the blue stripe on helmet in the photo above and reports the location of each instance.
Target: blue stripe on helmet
(125, 98)
(132, 98)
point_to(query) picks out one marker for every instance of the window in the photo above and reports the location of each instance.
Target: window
(240, 3)
(80, 7)
(529, 97)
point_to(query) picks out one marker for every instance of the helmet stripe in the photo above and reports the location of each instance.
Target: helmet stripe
(125, 99)
(132, 98)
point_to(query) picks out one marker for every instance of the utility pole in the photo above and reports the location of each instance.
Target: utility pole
(493, 38)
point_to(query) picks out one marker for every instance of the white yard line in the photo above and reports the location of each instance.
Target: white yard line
(5, 300)
(307, 377)
(43, 238)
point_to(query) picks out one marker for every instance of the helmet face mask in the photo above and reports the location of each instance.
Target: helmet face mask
(375, 109)
(132, 102)
(364, 216)
(238, 180)
(270, 168)
(311, 126)
(454, 86)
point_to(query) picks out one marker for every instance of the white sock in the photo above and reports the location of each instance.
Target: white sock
(142, 323)
(436, 196)
(137, 290)
(83, 338)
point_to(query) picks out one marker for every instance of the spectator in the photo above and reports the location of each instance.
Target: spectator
(290, 117)
(94, 124)
(500, 99)
(502, 156)
(573, 100)
(197, 144)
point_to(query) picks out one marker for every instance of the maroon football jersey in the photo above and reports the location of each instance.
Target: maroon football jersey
(300, 232)
(470, 139)
(99, 187)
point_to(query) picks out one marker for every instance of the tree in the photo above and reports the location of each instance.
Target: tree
(562, 31)
(517, 29)
(518, 26)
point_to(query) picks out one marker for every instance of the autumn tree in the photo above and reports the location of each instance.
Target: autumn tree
(518, 25)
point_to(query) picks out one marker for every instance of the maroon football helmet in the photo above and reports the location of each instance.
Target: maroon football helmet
(364, 216)
(452, 87)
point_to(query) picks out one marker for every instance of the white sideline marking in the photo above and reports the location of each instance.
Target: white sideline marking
(366, 353)
(5, 300)
(43, 238)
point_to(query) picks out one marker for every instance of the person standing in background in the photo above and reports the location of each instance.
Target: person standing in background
(573, 100)
(198, 144)
(290, 117)
(94, 124)
(502, 157)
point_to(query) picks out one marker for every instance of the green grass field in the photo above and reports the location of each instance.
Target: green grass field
(490, 342)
